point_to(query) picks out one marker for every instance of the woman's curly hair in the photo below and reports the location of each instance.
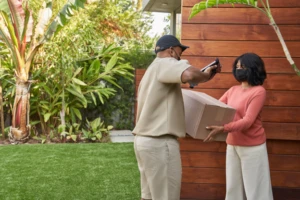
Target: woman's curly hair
(256, 73)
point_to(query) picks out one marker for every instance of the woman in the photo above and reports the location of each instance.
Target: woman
(247, 166)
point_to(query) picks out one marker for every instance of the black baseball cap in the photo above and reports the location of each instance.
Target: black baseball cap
(168, 41)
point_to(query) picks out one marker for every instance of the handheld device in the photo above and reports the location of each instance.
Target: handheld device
(214, 71)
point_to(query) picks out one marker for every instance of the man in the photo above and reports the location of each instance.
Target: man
(160, 119)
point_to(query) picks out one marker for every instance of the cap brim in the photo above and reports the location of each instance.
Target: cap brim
(183, 47)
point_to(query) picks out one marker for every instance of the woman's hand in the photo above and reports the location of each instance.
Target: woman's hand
(214, 131)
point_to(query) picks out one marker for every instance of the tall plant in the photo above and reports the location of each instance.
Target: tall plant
(76, 85)
(253, 3)
(1, 107)
(18, 33)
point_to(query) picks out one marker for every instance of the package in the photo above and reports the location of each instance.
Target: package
(202, 110)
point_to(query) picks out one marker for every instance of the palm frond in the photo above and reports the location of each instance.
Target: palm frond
(17, 15)
(62, 18)
(44, 17)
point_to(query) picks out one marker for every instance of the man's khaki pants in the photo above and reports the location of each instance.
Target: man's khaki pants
(160, 167)
(248, 173)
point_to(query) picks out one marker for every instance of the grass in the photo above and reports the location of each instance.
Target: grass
(69, 171)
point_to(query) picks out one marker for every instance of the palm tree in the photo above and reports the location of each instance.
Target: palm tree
(253, 3)
(18, 34)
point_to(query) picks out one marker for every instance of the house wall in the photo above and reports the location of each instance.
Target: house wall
(227, 32)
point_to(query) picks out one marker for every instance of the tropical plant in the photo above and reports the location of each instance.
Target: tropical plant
(1, 110)
(18, 33)
(83, 38)
(64, 92)
(253, 3)
(95, 130)
(6, 85)
(70, 134)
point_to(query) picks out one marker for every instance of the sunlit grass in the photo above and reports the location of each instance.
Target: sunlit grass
(69, 171)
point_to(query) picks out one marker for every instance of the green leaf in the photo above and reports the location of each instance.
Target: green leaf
(99, 136)
(78, 70)
(4, 6)
(74, 137)
(94, 67)
(47, 89)
(111, 63)
(93, 97)
(10, 29)
(79, 82)
(32, 123)
(100, 97)
(71, 130)
(95, 124)
(62, 18)
(85, 133)
(197, 8)
(110, 127)
(61, 128)
(28, 26)
(47, 116)
(73, 90)
(110, 80)
(76, 112)
(64, 133)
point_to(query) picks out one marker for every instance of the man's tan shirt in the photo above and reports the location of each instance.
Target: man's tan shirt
(160, 105)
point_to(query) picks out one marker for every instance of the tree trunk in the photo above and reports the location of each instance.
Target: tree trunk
(284, 47)
(20, 129)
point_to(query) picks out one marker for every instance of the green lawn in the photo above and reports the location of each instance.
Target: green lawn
(69, 171)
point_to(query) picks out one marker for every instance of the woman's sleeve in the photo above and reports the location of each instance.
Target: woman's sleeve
(224, 97)
(254, 108)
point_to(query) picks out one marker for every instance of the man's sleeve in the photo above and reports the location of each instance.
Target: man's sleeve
(170, 70)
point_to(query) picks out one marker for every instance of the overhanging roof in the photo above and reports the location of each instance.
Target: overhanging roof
(167, 6)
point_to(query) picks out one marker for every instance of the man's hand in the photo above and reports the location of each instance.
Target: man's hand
(211, 71)
(194, 76)
(214, 131)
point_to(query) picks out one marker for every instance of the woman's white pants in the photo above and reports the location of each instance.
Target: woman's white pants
(248, 173)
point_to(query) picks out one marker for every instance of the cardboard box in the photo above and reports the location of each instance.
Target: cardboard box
(202, 110)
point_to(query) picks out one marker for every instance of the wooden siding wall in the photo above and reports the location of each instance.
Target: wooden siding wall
(226, 33)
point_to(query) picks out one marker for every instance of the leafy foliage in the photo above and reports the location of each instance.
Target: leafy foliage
(7, 80)
(85, 83)
(77, 74)
(95, 130)
(202, 5)
(16, 29)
